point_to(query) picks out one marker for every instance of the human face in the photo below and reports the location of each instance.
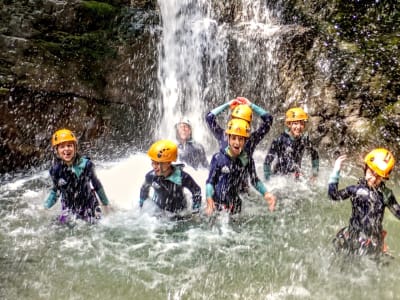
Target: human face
(236, 143)
(66, 151)
(296, 128)
(373, 179)
(184, 131)
(161, 168)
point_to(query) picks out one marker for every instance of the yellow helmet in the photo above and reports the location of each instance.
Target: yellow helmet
(381, 161)
(242, 111)
(61, 136)
(238, 127)
(296, 114)
(163, 151)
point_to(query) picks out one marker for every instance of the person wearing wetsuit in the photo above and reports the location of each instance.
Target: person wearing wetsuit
(168, 181)
(189, 151)
(243, 109)
(75, 180)
(369, 198)
(287, 150)
(227, 170)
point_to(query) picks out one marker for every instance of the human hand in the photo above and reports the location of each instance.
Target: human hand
(271, 200)
(339, 161)
(210, 206)
(243, 100)
(233, 103)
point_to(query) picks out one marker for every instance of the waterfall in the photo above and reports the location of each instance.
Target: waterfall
(205, 61)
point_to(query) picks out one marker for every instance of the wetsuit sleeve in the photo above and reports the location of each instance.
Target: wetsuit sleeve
(211, 120)
(51, 199)
(269, 158)
(334, 193)
(209, 190)
(216, 111)
(189, 183)
(212, 177)
(145, 189)
(257, 136)
(97, 186)
(392, 203)
(102, 196)
(255, 181)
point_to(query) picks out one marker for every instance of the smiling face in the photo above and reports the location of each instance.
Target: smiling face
(296, 128)
(236, 144)
(67, 151)
(161, 168)
(184, 131)
(373, 179)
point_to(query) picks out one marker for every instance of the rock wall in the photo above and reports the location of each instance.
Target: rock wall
(92, 66)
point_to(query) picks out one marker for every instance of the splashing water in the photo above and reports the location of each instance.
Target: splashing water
(133, 254)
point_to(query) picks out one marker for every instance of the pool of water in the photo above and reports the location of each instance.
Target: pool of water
(134, 254)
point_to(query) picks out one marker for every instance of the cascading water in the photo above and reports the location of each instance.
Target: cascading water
(131, 254)
(192, 64)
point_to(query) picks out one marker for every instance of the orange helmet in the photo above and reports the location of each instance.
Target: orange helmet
(61, 136)
(163, 151)
(381, 161)
(296, 114)
(238, 127)
(242, 111)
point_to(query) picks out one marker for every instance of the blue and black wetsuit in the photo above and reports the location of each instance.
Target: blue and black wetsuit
(255, 137)
(76, 185)
(226, 175)
(168, 191)
(288, 152)
(193, 154)
(365, 230)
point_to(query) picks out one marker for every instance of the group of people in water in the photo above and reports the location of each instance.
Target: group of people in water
(231, 170)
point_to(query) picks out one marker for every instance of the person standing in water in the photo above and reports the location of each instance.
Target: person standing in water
(369, 198)
(241, 108)
(229, 168)
(190, 152)
(74, 180)
(288, 148)
(168, 180)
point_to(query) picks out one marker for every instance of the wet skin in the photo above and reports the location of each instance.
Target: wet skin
(184, 132)
(67, 151)
(373, 179)
(161, 168)
(236, 144)
(296, 128)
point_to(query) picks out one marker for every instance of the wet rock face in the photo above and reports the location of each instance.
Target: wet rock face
(92, 66)
(84, 65)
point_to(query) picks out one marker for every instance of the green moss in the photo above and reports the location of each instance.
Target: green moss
(99, 9)
(4, 91)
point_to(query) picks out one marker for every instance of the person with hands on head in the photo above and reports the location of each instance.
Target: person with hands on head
(241, 108)
(369, 198)
(75, 181)
(168, 180)
(287, 149)
(228, 168)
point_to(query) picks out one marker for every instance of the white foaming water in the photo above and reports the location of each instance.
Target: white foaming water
(192, 61)
(123, 180)
(132, 254)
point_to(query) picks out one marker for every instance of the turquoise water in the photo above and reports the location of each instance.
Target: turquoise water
(131, 254)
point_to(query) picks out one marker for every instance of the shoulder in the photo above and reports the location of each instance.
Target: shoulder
(55, 168)
(149, 176)
(197, 145)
